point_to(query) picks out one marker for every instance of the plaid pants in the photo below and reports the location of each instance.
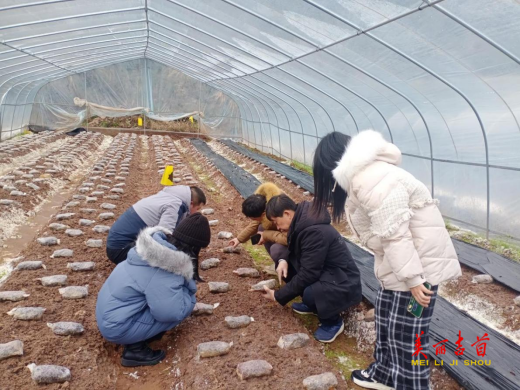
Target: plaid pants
(396, 337)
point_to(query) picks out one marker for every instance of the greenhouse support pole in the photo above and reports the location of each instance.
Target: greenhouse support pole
(86, 101)
(200, 94)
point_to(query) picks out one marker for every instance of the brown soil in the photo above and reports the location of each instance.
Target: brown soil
(131, 122)
(85, 355)
(344, 344)
(500, 297)
(182, 369)
(34, 197)
(22, 145)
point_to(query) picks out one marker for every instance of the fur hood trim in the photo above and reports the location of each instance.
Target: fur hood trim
(268, 190)
(363, 149)
(159, 253)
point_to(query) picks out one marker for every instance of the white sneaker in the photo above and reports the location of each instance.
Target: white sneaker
(361, 378)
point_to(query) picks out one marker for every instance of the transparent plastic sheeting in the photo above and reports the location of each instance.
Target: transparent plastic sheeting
(439, 78)
(139, 87)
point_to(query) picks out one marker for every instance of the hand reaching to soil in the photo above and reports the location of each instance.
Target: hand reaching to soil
(261, 241)
(234, 242)
(269, 294)
(419, 293)
(282, 269)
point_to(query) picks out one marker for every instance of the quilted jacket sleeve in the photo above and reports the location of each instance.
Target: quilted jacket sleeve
(390, 214)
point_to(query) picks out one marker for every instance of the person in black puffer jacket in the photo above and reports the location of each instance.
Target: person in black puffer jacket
(320, 267)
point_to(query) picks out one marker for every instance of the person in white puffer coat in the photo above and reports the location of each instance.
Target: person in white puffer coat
(394, 215)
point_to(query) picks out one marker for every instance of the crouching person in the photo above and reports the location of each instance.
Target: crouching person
(274, 241)
(153, 290)
(326, 276)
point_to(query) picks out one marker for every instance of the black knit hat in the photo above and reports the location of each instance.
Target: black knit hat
(193, 230)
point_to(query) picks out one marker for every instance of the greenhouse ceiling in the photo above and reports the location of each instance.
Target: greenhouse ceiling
(438, 78)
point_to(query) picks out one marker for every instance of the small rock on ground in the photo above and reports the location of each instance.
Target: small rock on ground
(207, 211)
(29, 265)
(86, 222)
(27, 313)
(213, 222)
(218, 287)
(74, 292)
(61, 217)
(225, 235)
(13, 296)
(106, 216)
(54, 280)
(247, 272)
(481, 279)
(517, 300)
(12, 348)
(326, 381)
(66, 328)
(237, 322)
(101, 228)
(293, 341)
(202, 308)
(108, 206)
(254, 369)
(58, 226)
(73, 232)
(48, 241)
(93, 243)
(62, 253)
(271, 283)
(213, 348)
(209, 263)
(230, 249)
(46, 374)
(81, 266)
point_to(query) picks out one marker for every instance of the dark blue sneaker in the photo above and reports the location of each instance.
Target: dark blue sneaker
(302, 308)
(328, 333)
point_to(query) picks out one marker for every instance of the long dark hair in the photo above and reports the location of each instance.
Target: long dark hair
(326, 157)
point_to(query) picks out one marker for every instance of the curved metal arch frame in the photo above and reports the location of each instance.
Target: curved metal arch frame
(244, 87)
(183, 67)
(274, 98)
(279, 90)
(268, 118)
(441, 79)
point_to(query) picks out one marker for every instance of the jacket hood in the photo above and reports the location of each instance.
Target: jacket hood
(152, 248)
(364, 149)
(268, 190)
(304, 217)
(181, 192)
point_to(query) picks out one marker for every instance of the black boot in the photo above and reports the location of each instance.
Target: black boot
(140, 354)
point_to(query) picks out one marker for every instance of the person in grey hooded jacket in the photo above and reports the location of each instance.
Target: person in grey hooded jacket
(166, 208)
(153, 290)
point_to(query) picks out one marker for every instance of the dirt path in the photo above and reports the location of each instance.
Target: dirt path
(353, 349)
(182, 369)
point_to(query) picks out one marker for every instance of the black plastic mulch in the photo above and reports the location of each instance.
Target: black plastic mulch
(503, 354)
(503, 270)
(243, 181)
(304, 180)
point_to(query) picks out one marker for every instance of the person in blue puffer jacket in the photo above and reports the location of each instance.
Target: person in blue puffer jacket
(153, 290)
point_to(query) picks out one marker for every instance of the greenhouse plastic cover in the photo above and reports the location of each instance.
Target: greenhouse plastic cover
(440, 79)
